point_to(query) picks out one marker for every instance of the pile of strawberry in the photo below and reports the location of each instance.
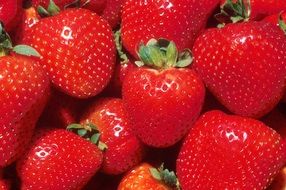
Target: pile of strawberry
(142, 94)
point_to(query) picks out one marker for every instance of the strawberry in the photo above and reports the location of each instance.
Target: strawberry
(262, 8)
(145, 176)
(229, 152)
(243, 65)
(96, 6)
(58, 159)
(112, 12)
(176, 20)
(10, 11)
(84, 58)
(275, 19)
(4, 184)
(24, 90)
(124, 149)
(152, 92)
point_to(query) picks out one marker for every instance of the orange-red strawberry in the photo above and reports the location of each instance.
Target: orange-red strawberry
(243, 65)
(163, 99)
(78, 51)
(58, 159)
(176, 20)
(229, 152)
(24, 89)
(124, 149)
(145, 177)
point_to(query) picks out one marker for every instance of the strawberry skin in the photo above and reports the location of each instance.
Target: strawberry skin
(243, 65)
(4, 184)
(24, 90)
(124, 149)
(112, 12)
(150, 97)
(176, 20)
(229, 152)
(58, 160)
(78, 51)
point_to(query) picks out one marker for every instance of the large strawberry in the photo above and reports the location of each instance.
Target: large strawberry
(10, 12)
(96, 6)
(261, 8)
(58, 159)
(243, 65)
(176, 20)
(112, 12)
(162, 98)
(229, 152)
(78, 51)
(124, 149)
(24, 89)
(145, 176)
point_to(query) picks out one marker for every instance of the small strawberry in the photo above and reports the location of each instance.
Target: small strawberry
(261, 8)
(58, 159)
(124, 149)
(176, 20)
(151, 93)
(96, 6)
(229, 152)
(112, 12)
(78, 51)
(145, 177)
(24, 90)
(243, 65)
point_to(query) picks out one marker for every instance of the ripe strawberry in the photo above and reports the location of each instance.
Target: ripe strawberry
(145, 176)
(151, 94)
(24, 90)
(10, 11)
(112, 12)
(58, 159)
(96, 6)
(4, 184)
(229, 152)
(275, 18)
(243, 65)
(263, 8)
(124, 149)
(77, 49)
(177, 20)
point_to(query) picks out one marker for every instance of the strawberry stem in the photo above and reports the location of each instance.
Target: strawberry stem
(162, 54)
(119, 47)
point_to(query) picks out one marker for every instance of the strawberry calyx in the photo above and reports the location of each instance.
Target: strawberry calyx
(282, 23)
(119, 47)
(163, 54)
(167, 177)
(6, 46)
(234, 12)
(89, 132)
(52, 10)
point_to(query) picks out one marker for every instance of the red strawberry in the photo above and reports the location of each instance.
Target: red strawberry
(124, 149)
(145, 177)
(243, 65)
(163, 102)
(96, 6)
(112, 12)
(4, 184)
(176, 20)
(275, 18)
(229, 152)
(10, 11)
(24, 90)
(263, 8)
(58, 159)
(78, 51)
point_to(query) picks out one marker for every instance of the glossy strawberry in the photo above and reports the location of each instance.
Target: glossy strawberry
(58, 159)
(96, 6)
(112, 12)
(263, 8)
(124, 149)
(176, 20)
(229, 152)
(78, 51)
(145, 177)
(151, 94)
(243, 65)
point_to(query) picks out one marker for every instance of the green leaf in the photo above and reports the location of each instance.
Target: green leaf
(42, 11)
(171, 54)
(26, 50)
(53, 9)
(74, 126)
(281, 22)
(139, 63)
(82, 132)
(102, 146)
(95, 138)
(185, 59)
(119, 47)
(156, 56)
(155, 173)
